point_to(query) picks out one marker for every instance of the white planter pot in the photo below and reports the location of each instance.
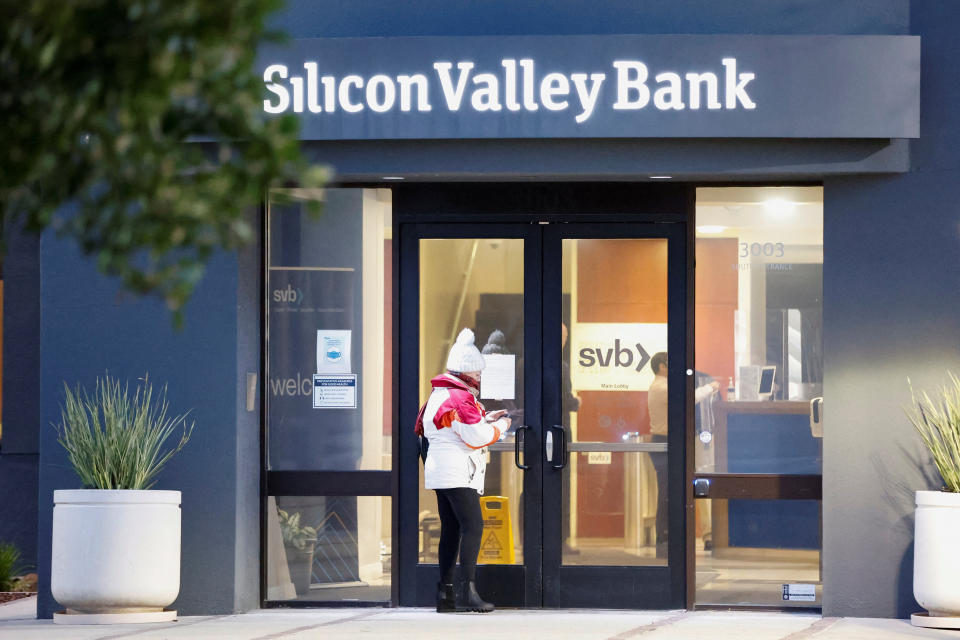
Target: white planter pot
(115, 551)
(936, 553)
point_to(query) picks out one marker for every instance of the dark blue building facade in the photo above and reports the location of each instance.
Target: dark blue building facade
(891, 307)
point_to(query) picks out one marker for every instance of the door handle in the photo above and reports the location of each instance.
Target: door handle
(563, 448)
(519, 442)
(701, 487)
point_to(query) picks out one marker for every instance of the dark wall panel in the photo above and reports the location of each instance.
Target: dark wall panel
(21, 404)
(18, 504)
(346, 18)
(246, 594)
(89, 328)
(891, 310)
(21, 343)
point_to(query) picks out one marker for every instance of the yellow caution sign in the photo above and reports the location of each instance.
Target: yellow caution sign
(496, 546)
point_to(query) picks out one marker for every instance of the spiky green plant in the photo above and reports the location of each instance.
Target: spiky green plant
(11, 566)
(115, 439)
(937, 420)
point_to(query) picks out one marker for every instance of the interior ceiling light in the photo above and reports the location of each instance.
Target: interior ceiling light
(661, 177)
(779, 206)
(711, 228)
(393, 177)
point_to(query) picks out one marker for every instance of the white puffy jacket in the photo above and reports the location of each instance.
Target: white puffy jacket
(454, 423)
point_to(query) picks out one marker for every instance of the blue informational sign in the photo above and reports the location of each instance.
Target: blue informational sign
(626, 86)
(335, 391)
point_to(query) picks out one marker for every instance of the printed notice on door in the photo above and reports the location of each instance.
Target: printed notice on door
(333, 351)
(335, 391)
(498, 381)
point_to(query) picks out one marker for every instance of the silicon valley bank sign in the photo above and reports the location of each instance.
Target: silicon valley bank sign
(597, 86)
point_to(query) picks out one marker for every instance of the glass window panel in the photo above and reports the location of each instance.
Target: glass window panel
(756, 547)
(616, 509)
(329, 313)
(475, 283)
(328, 548)
(614, 321)
(759, 328)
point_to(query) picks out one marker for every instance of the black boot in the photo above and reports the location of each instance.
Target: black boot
(471, 599)
(445, 599)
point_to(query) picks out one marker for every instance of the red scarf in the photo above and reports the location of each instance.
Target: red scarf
(449, 380)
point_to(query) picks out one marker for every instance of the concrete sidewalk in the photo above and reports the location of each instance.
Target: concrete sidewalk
(417, 624)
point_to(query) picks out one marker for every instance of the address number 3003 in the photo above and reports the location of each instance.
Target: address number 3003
(756, 249)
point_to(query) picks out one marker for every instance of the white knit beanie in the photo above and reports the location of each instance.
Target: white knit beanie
(464, 355)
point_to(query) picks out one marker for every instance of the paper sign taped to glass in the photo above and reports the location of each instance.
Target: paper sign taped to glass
(613, 356)
(335, 391)
(498, 381)
(333, 351)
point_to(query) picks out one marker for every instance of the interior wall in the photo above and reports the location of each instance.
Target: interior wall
(715, 307)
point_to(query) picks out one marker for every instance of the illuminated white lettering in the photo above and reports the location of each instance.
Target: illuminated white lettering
(552, 86)
(344, 94)
(453, 96)
(486, 97)
(514, 85)
(588, 97)
(297, 83)
(510, 84)
(283, 96)
(696, 80)
(406, 83)
(671, 95)
(313, 103)
(528, 102)
(735, 86)
(389, 93)
(627, 84)
(329, 93)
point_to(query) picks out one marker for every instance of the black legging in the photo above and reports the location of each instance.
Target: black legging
(461, 526)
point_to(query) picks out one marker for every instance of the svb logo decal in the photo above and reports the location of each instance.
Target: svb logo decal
(614, 356)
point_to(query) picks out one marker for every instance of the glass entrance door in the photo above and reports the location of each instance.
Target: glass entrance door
(613, 464)
(583, 502)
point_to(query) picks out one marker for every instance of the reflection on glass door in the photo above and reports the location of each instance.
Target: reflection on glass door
(477, 283)
(614, 328)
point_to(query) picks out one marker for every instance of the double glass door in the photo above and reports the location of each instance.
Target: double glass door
(583, 329)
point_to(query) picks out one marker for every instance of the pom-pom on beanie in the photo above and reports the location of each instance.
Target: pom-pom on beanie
(464, 355)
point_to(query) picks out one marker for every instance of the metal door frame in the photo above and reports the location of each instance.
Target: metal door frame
(481, 206)
(513, 585)
(659, 587)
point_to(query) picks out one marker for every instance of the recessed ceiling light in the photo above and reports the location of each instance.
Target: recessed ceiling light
(393, 177)
(661, 177)
(779, 206)
(711, 228)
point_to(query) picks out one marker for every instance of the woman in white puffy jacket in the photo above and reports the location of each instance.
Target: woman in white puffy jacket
(458, 430)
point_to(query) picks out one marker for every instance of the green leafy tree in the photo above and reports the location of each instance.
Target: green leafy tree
(135, 127)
